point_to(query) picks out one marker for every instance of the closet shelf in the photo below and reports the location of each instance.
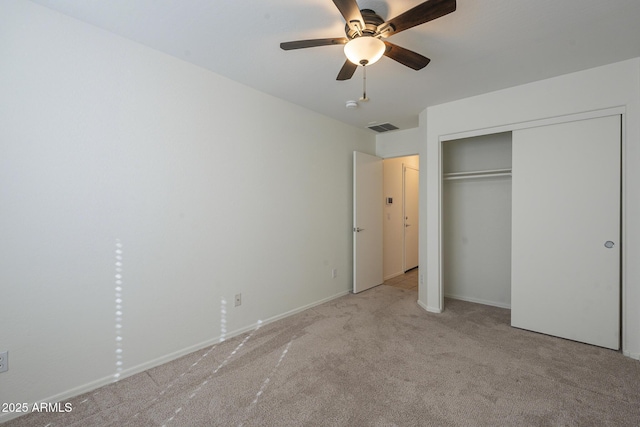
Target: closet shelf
(476, 174)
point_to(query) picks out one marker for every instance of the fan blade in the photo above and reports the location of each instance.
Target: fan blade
(405, 56)
(350, 12)
(347, 70)
(425, 12)
(301, 44)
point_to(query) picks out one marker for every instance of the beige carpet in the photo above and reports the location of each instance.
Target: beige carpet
(375, 359)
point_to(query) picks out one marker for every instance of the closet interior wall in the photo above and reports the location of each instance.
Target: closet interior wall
(476, 219)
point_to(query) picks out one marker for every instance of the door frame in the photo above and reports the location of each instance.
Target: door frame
(404, 215)
(437, 292)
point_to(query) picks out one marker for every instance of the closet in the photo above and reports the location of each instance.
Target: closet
(531, 221)
(476, 219)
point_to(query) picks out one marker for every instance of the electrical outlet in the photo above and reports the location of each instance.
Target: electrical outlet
(334, 273)
(238, 299)
(4, 361)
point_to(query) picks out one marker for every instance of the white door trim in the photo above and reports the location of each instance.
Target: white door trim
(404, 214)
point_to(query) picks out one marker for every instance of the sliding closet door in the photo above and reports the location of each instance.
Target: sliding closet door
(565, 277)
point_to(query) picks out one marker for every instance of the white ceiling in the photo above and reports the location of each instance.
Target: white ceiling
(485, 45)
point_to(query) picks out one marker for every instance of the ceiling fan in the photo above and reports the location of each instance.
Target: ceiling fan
(365, 30)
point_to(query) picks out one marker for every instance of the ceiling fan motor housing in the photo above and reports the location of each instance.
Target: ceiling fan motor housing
(371, 22)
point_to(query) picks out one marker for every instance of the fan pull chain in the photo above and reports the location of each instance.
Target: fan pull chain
(364, 84)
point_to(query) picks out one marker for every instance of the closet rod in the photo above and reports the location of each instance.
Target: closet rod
(477, 174)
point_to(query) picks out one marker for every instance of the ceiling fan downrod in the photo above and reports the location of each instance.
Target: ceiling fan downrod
(364, 84)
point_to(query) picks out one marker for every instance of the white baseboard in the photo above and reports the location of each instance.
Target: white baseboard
(85, 388)
(479, 301)
(429, 309)
(297, 310)
(631, 355)
(391, 276)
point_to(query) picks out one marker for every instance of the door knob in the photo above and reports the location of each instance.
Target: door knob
(358, 229)
(609, 244)
(407, 225)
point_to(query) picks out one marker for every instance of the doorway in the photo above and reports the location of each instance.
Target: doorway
(476, 219)
(400, 211)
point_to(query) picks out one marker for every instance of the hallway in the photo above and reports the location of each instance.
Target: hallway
(408, 280)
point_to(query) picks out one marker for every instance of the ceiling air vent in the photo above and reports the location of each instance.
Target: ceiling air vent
(384, 127)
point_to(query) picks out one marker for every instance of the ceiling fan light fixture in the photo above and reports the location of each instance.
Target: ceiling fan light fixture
(364, 50)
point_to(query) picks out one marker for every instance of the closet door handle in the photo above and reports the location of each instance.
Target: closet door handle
(609, 244)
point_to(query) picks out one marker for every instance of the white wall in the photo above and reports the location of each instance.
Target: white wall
(398, 143)
(614, 85)
(393, 225)
(210, 188)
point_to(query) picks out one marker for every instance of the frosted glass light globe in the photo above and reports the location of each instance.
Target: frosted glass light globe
(364, 50)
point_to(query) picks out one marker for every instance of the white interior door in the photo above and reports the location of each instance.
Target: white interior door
(411, 191)
(367, 221)
(566, 230)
